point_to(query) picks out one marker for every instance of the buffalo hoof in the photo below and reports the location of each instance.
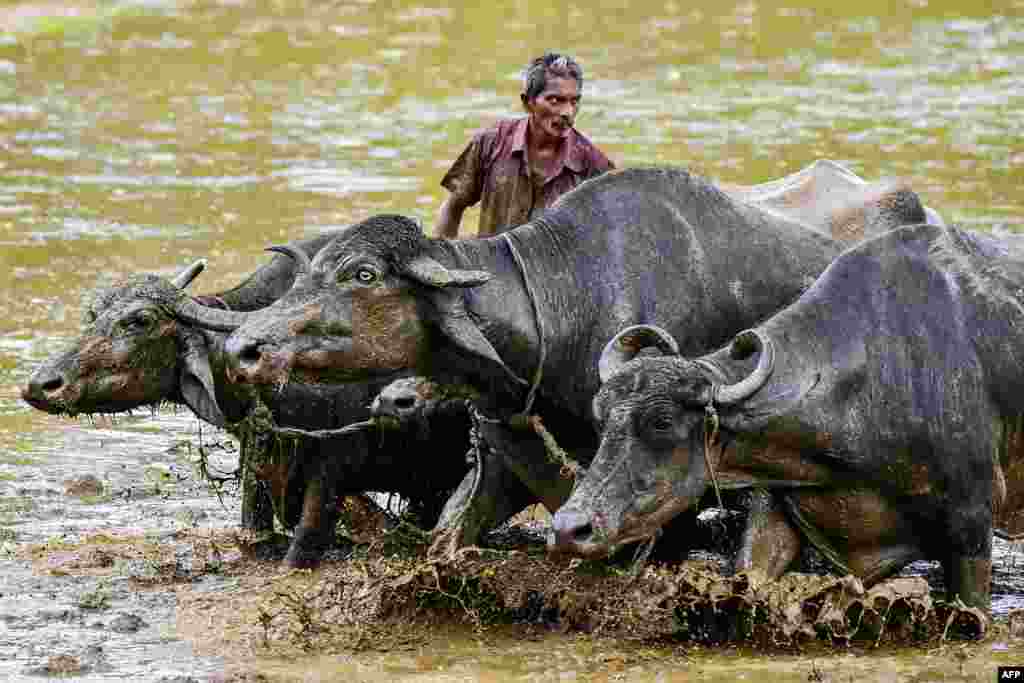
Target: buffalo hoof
(269, 547)
(299, 557)
(307, 553)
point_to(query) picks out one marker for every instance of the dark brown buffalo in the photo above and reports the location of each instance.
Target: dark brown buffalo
(140, 345)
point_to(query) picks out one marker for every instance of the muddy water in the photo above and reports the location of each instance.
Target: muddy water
(136, 136)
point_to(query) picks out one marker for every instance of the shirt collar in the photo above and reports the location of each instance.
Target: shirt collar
(572, 155)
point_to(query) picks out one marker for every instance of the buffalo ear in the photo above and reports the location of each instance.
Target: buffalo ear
(429, 272)
(185, 277)
(455, 323)
(197, 387)
(629, 343)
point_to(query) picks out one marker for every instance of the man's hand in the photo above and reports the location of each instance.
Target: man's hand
(449, 218)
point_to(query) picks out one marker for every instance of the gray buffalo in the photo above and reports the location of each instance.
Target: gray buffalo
(881, 409)
(831, 198)
(144, 343)
(524, 316)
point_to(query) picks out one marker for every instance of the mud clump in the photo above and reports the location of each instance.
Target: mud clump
(381, 598)
(83, 487)
(127, 623)
(63, 665)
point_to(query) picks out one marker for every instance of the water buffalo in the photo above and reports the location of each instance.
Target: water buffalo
(524, 316)
(882, 409)
(833, 199)
(144, 343)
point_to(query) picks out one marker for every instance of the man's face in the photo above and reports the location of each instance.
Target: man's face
(553, 111)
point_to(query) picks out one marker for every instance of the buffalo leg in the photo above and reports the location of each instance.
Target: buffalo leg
(254, 455)
(315, 530)
(968, 564)
(875, 564)
(970, 579)
(526, 457)
(257, 507)
(770, 542)
(488, 495)
(513, 472)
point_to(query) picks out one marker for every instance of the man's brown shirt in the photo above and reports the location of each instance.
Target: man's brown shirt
(494, 168)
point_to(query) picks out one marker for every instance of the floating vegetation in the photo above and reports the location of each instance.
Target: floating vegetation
(98, 599)
(66, 20)
(12, 508)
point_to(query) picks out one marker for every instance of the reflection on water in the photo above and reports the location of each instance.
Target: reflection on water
(138, 136)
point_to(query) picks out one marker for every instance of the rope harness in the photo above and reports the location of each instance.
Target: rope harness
(568, 468)
(325, 433)
(711, 424)
(710, 442)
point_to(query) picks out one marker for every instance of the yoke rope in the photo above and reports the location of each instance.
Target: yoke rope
(325, 433)
(569, 468)
(710, 439)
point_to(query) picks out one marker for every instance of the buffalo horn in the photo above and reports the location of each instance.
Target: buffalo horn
(303, 266)
(627, 345)
(430, 272)
(742, 345)
(191, 311)
(185, 277)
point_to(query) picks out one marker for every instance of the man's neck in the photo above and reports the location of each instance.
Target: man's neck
(543, 152)
(541, 143)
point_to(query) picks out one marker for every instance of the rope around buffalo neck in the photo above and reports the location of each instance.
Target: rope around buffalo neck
(538, 374)
(447, 541)
(569, 467)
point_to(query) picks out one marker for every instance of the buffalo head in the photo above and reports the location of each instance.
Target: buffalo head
(139, 346)
(364, 307)
(652, 462)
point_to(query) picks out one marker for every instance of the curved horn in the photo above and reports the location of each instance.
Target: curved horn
(185, 277)
(745, 343)
(191, 311)
(627, 345)
(303, 266)
(432, 273)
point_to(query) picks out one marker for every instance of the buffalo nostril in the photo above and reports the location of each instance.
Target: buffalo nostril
(38, 388)
(405, 402)
(242, 355)
(395, 402)
(571, 528)
(52, 385)
(249, 354)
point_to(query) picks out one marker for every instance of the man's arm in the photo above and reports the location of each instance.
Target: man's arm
(464, 182)
(449, 218)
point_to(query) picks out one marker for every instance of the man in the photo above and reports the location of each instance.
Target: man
(519, 167)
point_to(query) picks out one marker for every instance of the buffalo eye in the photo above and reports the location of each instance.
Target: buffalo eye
(138, 322)
(661, 423)
(366, 276)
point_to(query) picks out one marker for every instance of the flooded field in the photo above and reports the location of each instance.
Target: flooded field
(138, 136)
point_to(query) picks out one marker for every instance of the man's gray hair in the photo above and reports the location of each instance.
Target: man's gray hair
(536, 77)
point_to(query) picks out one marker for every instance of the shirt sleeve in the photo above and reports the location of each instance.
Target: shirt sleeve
(597, 162)
(465, 179)
(601, 163)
